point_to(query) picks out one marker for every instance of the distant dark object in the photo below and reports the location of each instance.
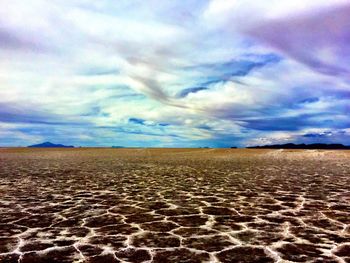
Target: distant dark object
(303, 146)
(49, 145)
(233, 147)
(118, 147)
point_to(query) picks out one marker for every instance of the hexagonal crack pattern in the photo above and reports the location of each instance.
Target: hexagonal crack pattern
(174, 205)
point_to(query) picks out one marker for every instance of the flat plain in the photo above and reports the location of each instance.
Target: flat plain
(174, 205)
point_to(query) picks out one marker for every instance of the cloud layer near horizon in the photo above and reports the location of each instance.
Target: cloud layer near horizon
(172, 73)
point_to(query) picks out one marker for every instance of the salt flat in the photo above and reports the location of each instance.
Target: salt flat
(174, 205)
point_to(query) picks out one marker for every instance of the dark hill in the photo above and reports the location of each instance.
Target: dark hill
(49, 145)
(303, 146)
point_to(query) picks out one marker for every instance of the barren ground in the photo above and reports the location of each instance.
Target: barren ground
(174, 205)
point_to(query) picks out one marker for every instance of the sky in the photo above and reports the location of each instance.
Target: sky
(194, 73)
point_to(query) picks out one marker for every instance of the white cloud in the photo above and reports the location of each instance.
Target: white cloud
(101, 63)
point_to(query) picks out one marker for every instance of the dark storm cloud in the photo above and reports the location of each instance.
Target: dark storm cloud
(277, 123)
(296, 123)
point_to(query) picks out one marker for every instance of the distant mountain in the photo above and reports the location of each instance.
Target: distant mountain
(303, 146)
(117, 146)
(49, 145)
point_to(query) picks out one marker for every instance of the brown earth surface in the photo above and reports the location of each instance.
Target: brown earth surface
(174, 205)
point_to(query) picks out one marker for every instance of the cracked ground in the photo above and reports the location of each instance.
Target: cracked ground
(174, 205)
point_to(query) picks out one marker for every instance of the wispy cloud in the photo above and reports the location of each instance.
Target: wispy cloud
(319, 39)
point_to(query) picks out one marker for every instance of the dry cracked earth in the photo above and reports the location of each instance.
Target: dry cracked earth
(174, 205)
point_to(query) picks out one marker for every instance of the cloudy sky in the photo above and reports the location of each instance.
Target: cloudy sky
(169, 73)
